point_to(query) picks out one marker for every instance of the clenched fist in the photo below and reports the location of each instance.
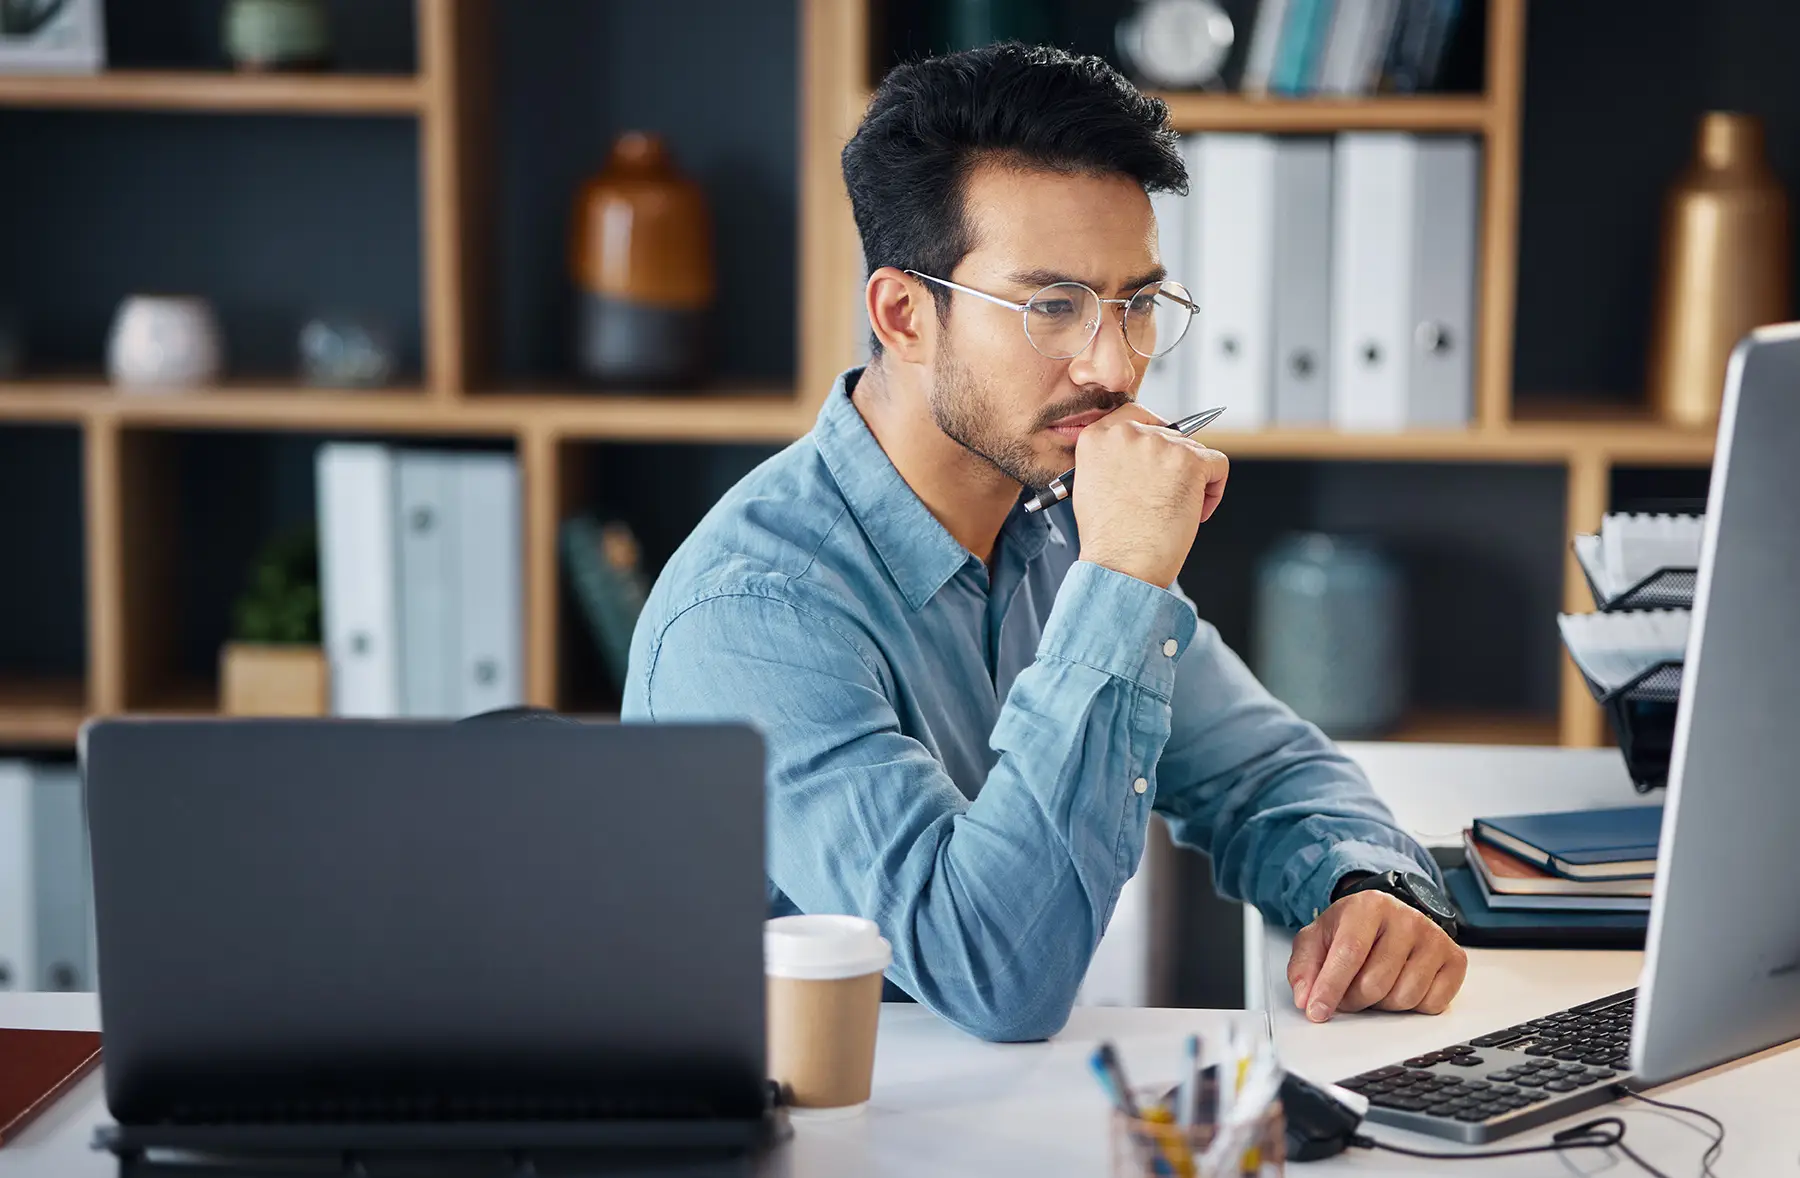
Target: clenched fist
(1371, 950)
(1144, 491)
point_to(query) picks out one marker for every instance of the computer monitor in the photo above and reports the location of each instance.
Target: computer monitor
(1721, 975)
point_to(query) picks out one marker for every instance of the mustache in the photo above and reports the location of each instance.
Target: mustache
(1103, 400)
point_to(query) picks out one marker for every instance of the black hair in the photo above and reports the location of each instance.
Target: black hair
(933, 120)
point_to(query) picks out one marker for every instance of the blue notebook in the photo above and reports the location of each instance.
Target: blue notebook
(1615, 843)
(1481, 927)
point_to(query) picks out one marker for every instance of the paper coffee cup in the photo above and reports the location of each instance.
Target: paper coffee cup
(824, 994)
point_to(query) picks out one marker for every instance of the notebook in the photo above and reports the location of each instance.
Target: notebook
(1511, 884)
(1491, 928)
(36, 1067)
(1606, 844)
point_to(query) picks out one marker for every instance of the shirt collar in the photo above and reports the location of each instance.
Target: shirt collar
(919, 553)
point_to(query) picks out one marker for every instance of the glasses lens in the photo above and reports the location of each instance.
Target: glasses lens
(1061, 319)
(1157, 317)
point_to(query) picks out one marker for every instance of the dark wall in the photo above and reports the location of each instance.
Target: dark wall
(43, 630)
(273, 219)
(720, 81)
(1612, 96)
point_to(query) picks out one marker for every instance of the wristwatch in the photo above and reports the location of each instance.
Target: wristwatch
(1414, 890)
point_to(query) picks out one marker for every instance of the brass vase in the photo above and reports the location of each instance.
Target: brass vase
(1724, 267)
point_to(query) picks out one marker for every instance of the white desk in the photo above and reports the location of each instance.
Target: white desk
(947, 1105)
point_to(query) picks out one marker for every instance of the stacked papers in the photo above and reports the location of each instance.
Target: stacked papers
(1614, 649)
(1632, 550)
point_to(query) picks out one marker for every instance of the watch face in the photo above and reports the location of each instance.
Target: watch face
(1429, 894)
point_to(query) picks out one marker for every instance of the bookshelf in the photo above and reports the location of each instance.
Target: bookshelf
(452, 99)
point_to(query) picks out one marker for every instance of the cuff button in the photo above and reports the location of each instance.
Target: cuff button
(1140, 785)
(1170, 646)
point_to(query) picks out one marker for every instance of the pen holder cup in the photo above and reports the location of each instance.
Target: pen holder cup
(1152, 1149)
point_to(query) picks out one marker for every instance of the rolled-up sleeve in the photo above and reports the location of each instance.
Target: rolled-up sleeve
(994, 906)
(1283, 813)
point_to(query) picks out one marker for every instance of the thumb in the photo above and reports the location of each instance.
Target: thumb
(1304, 962)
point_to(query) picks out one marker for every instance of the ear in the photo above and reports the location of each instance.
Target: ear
(901, 313)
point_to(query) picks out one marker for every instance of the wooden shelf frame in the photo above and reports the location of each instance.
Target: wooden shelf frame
(219, 92)
(126, 457)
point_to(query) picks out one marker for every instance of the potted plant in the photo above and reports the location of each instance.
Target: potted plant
(274, 665)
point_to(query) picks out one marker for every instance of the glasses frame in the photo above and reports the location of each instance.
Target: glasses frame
(1193, 309)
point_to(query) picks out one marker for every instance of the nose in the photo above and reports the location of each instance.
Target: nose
(1107, 362)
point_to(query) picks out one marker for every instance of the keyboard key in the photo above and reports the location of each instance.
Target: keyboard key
(1505, 1090)
(1602, 1074)
(1540, 1049)
(1441, 1110)
(1459, 1049)
(1477, 1085)
(1561, 1085)
(1505, 1077)
(1532, 1097)
(1421, 1061)
(1382, 1073)
(1411, 1104)
(1465, 1061)
(1473, 1114)
(1420, 1074)
(1596, 1060)
(1497, 1038)
(1532, 1081)
(1380, 1088)
(1568, 1053)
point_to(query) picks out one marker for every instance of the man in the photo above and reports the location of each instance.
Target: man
(971, 711)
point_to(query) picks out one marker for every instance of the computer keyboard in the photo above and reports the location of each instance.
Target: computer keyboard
(1513, 1079)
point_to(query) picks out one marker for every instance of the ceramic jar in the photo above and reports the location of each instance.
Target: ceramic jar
(164, 341)
(641, 258)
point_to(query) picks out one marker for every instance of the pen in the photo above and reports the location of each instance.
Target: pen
(1187, 1098)
(1059, 487)
(1104, 1063)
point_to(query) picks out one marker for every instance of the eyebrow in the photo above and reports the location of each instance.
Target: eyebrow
(1041, 278)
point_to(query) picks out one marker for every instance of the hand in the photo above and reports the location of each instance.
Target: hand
(1142, 494)
(1370, 949)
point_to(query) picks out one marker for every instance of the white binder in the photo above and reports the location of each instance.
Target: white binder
(1403, 273)
(1161, 390)
(357, 576)
(17, 937)
(1302, 282)
(491, 562)
(1237, 257)
(64, 902)
(430, 625)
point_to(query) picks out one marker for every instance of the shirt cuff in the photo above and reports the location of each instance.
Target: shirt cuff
(1314, 893)
(1117, 624)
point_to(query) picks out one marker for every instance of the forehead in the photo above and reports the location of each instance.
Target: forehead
(1098, 227)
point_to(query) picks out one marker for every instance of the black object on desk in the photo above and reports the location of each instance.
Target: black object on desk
(1491, 928)
(364, 936)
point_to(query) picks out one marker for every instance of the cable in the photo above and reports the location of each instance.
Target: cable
(1600, 1133)
(1718, 1142)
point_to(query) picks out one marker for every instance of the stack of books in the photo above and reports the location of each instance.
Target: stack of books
(1575, 878)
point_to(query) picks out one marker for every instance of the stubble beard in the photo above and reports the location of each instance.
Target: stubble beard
(967, 410)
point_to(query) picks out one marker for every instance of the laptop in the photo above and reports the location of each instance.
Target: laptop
(350, 934)
(1721, 973)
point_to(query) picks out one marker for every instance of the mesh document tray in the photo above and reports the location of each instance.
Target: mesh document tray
(1663, 589)
(1642, 712)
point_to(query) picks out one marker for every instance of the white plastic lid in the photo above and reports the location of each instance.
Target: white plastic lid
(819, 948)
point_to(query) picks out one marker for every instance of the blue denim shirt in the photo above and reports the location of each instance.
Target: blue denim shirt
(969, 756)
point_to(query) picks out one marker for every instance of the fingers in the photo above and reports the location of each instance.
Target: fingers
(1356, 928)
(1413, 982)
(1387, 964)
(1304, 961)
(1446, 985)
(1217, 473)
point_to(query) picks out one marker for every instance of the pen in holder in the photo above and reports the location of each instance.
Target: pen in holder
(1152, 1145)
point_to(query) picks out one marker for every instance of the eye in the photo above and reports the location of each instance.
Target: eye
(1054, 310)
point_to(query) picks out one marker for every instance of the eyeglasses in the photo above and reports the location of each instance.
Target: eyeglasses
(1062, 319)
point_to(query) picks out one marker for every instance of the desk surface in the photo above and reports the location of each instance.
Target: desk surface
(946, 1104)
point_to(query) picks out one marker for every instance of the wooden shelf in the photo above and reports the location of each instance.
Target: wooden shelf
(41, 713)
(1477, 728)
(218, 92)
(728, 413)
(1237, 112)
